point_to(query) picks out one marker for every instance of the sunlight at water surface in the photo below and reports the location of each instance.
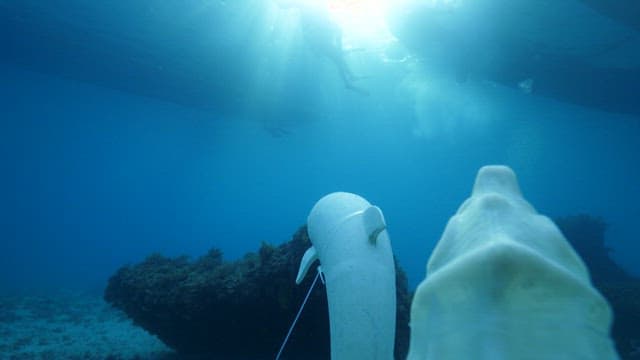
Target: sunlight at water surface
(363, 22)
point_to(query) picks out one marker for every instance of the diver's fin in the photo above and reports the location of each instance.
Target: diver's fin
(360, 77)
(526, 86)
(308, 258)
(357, 90)
(354, 50)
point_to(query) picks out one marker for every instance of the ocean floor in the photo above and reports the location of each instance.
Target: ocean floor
(72, 326)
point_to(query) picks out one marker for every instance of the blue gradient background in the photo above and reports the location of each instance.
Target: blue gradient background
(95, 178)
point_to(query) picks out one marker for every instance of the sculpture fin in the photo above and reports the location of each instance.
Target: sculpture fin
(374, 224)
(308, 258)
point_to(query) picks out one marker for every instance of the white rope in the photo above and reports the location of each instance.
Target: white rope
(295, 320)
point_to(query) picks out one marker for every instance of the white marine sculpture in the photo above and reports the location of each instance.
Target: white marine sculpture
(502, 283)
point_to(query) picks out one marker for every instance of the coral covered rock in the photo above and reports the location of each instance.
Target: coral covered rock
(234, 310)
(624, 297)
(587, 235)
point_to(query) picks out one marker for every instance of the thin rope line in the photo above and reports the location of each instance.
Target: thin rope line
(293, 324)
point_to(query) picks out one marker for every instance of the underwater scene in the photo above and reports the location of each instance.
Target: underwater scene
(320, 179)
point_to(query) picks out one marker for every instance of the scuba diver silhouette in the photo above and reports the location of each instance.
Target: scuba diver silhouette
(324, 36)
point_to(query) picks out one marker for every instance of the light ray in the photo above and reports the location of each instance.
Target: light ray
(363, 22)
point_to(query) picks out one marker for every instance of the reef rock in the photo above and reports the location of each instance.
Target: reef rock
(587, 235)
(241, 309)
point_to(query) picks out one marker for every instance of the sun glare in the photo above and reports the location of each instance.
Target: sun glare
(363, 22)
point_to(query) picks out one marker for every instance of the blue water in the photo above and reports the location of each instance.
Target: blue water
(104, 165)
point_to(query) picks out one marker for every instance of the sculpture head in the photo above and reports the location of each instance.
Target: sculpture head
(349, 238)
(502, 282)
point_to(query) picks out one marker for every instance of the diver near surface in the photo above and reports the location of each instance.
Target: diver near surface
(324, 36)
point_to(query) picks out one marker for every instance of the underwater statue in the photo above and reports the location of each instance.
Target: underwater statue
(502, 282)
(349, 238)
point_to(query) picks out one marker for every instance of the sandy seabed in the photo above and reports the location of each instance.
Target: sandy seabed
(72, 325)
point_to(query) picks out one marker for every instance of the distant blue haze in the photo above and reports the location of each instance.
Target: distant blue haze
(95, 178)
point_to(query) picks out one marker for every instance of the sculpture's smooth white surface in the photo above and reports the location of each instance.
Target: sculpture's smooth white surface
(349, 238)
(503, 283)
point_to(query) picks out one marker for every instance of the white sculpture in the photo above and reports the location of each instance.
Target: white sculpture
(502, 283)
(349, 238)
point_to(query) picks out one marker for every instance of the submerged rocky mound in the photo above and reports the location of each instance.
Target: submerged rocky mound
(587, 236)
(212, 308)
(235, 309)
